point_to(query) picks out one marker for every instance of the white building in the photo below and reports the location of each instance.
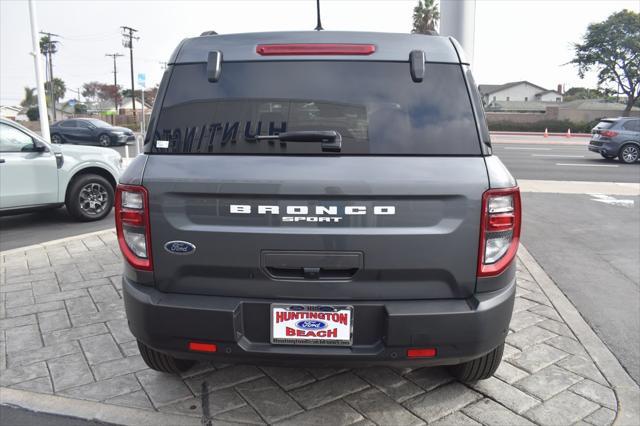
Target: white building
(517, 91)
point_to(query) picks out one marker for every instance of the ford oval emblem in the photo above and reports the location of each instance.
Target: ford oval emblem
(311, 325)
(179, 247)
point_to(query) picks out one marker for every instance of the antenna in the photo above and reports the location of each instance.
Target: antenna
(319, 26)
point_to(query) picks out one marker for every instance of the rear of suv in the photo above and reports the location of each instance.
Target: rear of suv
(324, 198)
(617, 137)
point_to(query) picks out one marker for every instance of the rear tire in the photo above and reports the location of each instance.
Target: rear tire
(163, 362)
(479, 368)
(57, 139)
(629, 153)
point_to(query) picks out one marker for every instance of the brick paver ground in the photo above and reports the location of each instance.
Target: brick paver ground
(63, 331)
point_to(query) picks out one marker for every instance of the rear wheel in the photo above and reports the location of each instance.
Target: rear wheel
(163, 362)
(479, 368)
(56, 138)
(629, 153)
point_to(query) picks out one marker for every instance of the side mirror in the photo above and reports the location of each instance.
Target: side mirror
(39, 146)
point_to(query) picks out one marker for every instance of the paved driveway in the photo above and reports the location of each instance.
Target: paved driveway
(63, 332)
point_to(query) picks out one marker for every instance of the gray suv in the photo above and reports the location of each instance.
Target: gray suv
(324, 198)
(617, 137)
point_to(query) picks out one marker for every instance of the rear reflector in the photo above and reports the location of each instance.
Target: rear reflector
(421, 353)
(202, 347)
(315, 49)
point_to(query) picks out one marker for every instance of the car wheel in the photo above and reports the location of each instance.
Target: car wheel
(607, 157)
(104, 140)
(56, 138)
(90, 197)
(629, 153)
(479, 368)
(163, 362)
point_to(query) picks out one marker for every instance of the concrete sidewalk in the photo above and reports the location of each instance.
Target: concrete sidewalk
(65, 348)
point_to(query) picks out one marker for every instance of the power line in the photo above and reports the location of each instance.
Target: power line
(128, 42)
(50, 49)
(115, 76)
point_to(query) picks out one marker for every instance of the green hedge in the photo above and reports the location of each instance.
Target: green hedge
(559, 126)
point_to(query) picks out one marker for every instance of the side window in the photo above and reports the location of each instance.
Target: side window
(68, 124)
(83, 125)
(13, 140)
(633, 125)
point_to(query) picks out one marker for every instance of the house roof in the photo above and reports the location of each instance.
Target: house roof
(487, 89)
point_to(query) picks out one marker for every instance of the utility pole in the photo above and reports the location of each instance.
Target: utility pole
(49, 52)
(42, 102)
(115, 77)
(128, 42)
(458, 20)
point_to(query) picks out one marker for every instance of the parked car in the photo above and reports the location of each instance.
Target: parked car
(617, 137)
(89, 131)
(37, 175)
(328, 198)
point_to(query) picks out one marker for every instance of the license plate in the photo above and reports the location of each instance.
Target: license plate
(311, 325)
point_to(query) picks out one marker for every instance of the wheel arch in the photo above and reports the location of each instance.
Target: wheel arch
(91, 170)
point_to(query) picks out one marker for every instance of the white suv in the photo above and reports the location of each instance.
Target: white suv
(35, 174)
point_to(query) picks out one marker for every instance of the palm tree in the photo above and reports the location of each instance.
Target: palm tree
(30, 98)
(425, 17)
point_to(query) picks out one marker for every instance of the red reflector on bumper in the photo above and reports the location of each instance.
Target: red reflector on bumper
(202, 347)
(421, 353)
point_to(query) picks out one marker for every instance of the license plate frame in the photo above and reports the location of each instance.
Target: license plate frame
(314, 310)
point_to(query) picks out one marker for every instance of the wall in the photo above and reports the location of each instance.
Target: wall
(550, 97)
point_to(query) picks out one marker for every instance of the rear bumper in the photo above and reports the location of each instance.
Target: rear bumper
(603, 147)
(460, 329)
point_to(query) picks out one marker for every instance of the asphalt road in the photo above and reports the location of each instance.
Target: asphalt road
(591, 249)
(11, 416)
(563, 162)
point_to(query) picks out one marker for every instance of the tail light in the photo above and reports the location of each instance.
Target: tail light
(132, 225)
(609, 133)
(499, 230)
(315, 49)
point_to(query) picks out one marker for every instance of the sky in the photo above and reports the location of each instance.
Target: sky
(514, 39)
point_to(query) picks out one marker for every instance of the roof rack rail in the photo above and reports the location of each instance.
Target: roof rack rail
(208, 33)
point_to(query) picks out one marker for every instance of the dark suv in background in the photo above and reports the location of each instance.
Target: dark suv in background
(617, 137)
(326, 198)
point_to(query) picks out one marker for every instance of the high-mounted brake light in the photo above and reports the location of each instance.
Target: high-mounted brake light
(315, 49)
(499, 230)
(132, 225)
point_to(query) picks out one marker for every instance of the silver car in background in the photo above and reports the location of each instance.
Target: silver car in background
(617, 137)
(37, 175)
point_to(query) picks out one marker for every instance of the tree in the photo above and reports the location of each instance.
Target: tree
(109, 92)
(90, 90)
(59, 89)
(612, 47)
(47, 46)
(33, 114)
(79, 109)
(425, 17)
(30, 97)
(576, 93)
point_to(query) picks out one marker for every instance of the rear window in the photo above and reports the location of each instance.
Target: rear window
(603, 125)
(375, 106)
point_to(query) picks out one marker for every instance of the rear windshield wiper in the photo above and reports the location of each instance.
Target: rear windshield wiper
(330, 139)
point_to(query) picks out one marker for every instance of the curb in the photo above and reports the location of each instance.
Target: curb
(578, 135)
(89, 410)
(626, 390)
